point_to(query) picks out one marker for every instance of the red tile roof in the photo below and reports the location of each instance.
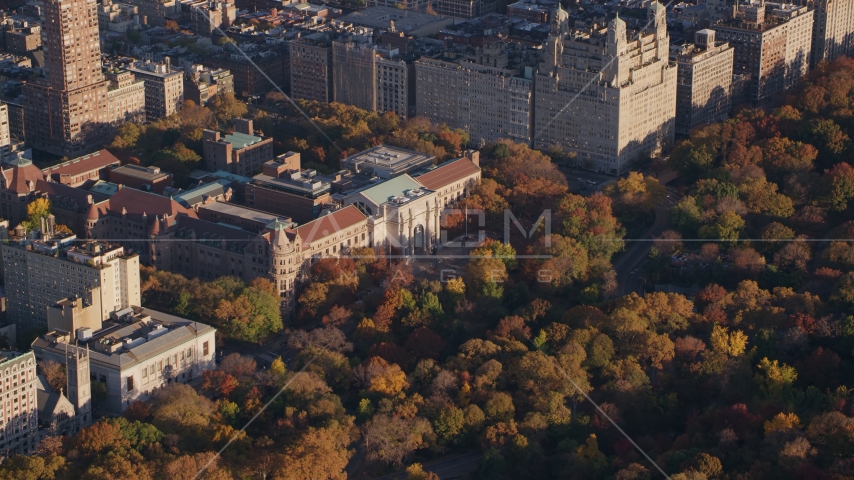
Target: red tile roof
(20, 177)
(448, 173)
(136, 202)
(86, 163)
(329, 224)
(62, 194)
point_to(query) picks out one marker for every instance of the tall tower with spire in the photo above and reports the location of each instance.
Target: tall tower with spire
(66, 111)
(79, 386)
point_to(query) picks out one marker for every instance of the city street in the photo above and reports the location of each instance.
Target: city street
(629, 265)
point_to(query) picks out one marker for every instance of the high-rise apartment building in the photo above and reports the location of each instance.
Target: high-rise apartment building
(465, 8)
(606, 95)
(772, 42)
(393, 79)
(164, 88)
(370, 77)
(39, 273)
(5, 135)
(354, 81)
(125, 98)
(311, 69)
(833, 28)
(66, 112)
(483, 95)
(19, 425)
(703, 88)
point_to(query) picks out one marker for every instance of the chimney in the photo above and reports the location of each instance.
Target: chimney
(474, 156)
(243, 125)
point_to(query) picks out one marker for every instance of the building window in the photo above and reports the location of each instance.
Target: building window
(130, 383)
(205, 349)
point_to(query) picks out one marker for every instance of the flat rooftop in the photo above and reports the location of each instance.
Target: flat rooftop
(385, 158)
(305, 183)
(137, 336)
(241, 140)
(242, 212)
(136, 171)
(404, 20)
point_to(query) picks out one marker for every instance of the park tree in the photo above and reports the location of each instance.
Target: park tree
(391, 440)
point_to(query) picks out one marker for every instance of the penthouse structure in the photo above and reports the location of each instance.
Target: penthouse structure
(704, 82)
(605, 95)
(241, 152)
(38, 273)
(132, 354)
(773, 43)
(164, 88)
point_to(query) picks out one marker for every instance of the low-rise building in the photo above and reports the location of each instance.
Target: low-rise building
(134, 353)
(149, 179)
(241, 152)
(118, 17)
(78, 171)
(201, 84)
(204, 194)
(283, 188)
(410, 22)
(453, 179)
(155, 11)
(23, 39)
(238, 216)
(385, 161)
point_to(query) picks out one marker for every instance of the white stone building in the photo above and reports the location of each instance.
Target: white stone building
(137, 352)
(606, 94)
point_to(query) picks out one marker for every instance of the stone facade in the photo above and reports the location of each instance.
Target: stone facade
(604, 95)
